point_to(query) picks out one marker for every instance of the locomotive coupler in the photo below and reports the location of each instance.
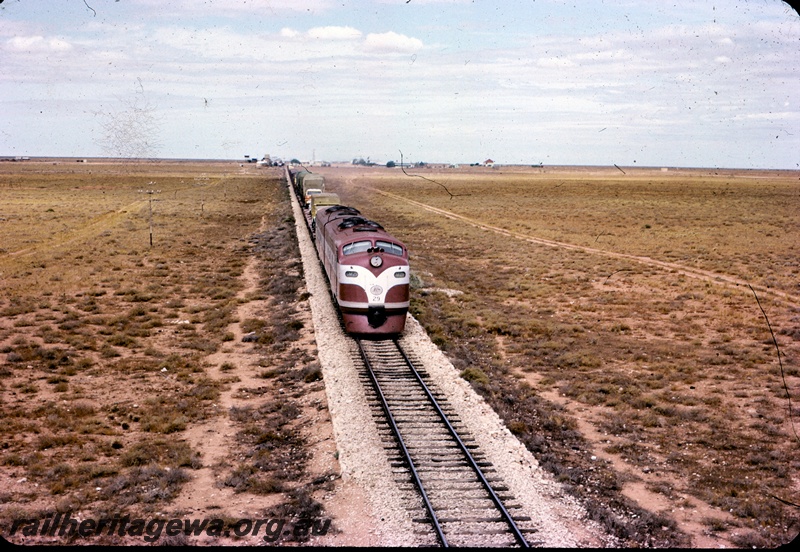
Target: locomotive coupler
(376, 316)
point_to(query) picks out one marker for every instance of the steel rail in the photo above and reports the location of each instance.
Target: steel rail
(443, 417)
(473, 464)
(406, 455)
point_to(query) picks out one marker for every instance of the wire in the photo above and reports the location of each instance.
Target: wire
(780, 363)
(403, 168)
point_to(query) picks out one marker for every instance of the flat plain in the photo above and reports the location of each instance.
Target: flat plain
(126, 386)
(625, 323)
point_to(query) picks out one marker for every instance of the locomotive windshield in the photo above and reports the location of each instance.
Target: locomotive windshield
(356, 247)
(391, 248)
(361, 246)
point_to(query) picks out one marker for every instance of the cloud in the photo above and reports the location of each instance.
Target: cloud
(38, 44)
(372, 43)
(392, 42)
(227, 43)
(555, 62)
(313, 60)
(422, 2)
(334, 33)
(604, 55)
(238, 6)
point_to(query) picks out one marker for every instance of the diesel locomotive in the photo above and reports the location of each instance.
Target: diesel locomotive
(367, 268)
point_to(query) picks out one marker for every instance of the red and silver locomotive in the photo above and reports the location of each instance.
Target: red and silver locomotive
(367, 269)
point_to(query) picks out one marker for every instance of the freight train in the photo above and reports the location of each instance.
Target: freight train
(367, 268)
(307, 184)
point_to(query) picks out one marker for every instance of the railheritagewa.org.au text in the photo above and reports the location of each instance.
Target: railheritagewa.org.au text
(150, 530)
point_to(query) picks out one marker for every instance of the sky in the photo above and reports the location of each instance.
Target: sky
(683, 83)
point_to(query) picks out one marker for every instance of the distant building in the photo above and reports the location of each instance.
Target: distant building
(489, 163)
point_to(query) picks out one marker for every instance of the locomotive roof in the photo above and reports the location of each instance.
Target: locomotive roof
(346, 224)
(326, 195)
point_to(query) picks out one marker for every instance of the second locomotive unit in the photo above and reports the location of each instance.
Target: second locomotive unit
(367, 268)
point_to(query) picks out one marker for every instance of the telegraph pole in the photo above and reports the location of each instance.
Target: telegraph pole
(150, 208)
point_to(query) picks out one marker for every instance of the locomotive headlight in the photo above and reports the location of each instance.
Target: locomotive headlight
(400, 274)
(351, 274)
(376, 261)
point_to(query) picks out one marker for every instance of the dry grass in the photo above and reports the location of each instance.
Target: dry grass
(103, 338)
(269, 445)
(667, 374)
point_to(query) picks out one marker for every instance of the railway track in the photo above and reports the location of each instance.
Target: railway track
(462, 500)
(452, 491)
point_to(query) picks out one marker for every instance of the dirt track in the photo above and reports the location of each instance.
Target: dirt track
(702, 275)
